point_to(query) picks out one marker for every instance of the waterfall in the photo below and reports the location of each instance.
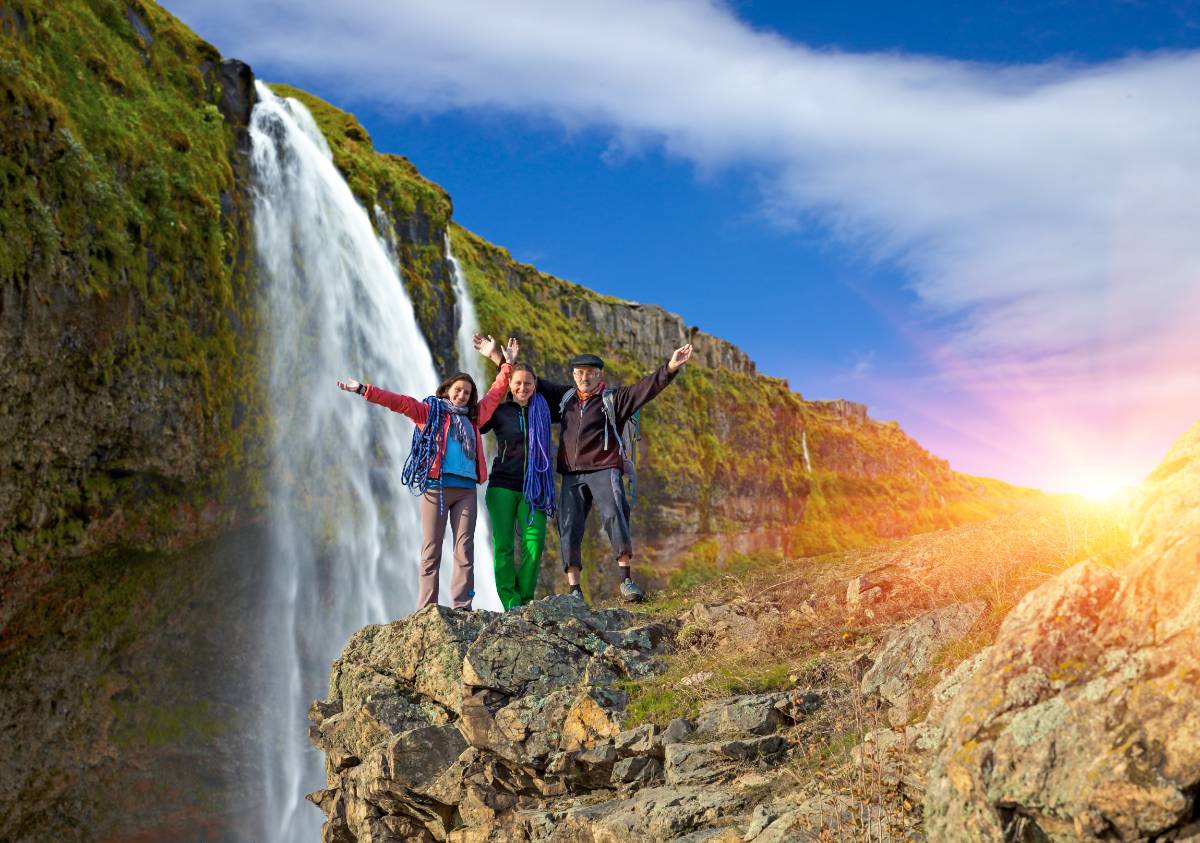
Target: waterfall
(345, 533)
(473, 364)
(468, 322)
(469, 361)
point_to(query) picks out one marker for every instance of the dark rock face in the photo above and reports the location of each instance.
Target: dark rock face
(648, 332)
(418, 237)
(127, 699)
(1082, 721)
(237, 93)
(450, 725)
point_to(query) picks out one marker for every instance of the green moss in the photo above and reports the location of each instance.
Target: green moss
(148, 725)
(390, 181)
(132, 158)
(686, 686)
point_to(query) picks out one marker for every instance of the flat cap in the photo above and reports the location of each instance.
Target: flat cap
(586, 360)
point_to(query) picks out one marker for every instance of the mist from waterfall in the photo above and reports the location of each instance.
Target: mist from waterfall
(345, 533)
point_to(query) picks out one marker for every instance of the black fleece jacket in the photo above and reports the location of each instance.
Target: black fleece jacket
(581, 447)
(510, 423)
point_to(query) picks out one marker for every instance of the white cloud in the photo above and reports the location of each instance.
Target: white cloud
(1039, 210)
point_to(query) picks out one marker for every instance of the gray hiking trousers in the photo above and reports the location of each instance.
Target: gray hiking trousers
(579, 491)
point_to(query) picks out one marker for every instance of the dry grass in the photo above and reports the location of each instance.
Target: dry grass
(800, 632)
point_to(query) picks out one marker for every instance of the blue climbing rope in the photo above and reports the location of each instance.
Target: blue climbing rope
(538, 487)
(426, 443)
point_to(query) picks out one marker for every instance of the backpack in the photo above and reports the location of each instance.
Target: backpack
(627, 439)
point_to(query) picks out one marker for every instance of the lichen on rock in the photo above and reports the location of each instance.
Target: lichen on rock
(514, 732)
(1082, 721)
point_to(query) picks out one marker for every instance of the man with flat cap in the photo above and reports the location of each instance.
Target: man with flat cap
(591, 460)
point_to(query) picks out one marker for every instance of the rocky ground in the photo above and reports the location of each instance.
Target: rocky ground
(1029, 678)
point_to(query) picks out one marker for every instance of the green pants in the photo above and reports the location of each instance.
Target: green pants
(509, 512)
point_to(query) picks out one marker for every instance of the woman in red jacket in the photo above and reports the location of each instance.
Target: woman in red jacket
(444, 467)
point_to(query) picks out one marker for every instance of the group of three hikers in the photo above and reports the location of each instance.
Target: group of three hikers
(446, 463)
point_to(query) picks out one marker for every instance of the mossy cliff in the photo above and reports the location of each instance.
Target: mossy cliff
(127, 309)
(129, 422)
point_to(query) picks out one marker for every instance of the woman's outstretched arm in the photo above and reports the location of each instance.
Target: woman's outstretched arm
(394, 401)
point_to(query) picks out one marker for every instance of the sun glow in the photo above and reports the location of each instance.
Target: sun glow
(1099, 488)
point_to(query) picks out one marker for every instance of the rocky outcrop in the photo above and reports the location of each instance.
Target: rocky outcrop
(909, 653)
(648, 332)
(462, 726)
(1082, 721)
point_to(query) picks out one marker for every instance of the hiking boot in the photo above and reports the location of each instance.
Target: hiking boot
(577, 594)
(630, 592)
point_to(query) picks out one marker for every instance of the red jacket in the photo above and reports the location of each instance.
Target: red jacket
(418, 411)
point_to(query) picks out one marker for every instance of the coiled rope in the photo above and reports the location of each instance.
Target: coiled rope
(426, 443)
(538, 487)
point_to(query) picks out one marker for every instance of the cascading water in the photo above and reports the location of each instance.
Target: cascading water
(464, 311)
(472, 363)
(345, 532)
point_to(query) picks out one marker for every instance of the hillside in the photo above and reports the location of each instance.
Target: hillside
(776, 703)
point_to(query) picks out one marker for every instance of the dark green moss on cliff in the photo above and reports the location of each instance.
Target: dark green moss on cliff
(124, 273)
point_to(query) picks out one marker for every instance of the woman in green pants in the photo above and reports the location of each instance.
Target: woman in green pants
(520, 492)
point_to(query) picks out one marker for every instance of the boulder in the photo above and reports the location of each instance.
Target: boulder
(755, 714)
(451, 725)
(1083, 721)
(692, 764)
(638, 769)
(649, 816)
(910, 652)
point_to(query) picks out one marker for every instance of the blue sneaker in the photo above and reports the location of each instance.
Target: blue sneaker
(630, 592)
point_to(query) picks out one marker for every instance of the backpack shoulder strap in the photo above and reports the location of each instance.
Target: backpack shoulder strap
(610, 416)
(562, 404)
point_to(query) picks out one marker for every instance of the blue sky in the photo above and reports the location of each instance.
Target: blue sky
(975, 219)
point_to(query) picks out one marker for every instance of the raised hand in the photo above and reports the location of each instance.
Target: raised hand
(484, 345)
(511, 350)
(349, 385)
(681, 356)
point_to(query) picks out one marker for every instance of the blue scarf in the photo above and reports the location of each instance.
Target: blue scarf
(427, 442)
